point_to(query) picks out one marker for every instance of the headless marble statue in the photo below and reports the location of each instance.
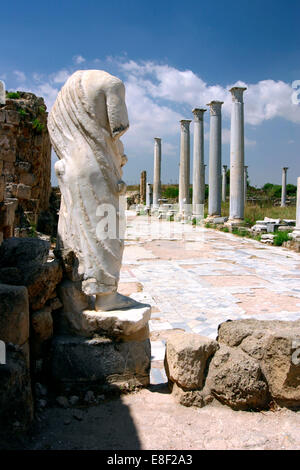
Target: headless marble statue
(85, 125)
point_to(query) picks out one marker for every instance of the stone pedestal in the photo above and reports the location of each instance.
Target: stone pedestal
(236, 210)
(198, 165)
(99, 350)
(184, 168)
(215, 149)
(100, 364)
(283, 187)
(157, 172)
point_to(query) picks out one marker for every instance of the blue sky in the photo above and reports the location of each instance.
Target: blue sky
(172, 56)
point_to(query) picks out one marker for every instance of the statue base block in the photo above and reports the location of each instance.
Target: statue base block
(79, 364)
(78, 318)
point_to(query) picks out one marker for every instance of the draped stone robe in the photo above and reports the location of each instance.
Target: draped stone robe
(85, 124)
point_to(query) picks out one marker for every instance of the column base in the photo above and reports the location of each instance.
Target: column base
(215, 219)
(235, 223)
(295, 235)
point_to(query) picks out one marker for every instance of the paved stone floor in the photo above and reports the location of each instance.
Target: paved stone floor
(196, 278)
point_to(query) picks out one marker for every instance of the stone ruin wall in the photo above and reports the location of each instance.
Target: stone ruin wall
(25, 164)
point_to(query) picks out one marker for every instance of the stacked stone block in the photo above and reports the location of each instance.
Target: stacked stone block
(25, 163)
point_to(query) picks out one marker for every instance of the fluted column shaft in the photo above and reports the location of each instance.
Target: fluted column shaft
(237, 196)
(215, 159)
(157, 172)
(224, 183)
(245, 183)
(198, 163)
(184, 168)
(148, 195)
(2, 92)
(143, 182)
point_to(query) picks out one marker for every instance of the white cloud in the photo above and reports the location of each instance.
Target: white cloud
(61, 76)
(148, 120)
(78, 59)
(264, 100)
(21, 77)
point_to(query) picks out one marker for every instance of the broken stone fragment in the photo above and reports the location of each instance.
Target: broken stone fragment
(14, 314)
(186, 359)
(274, 345)
(42, 324)
(236, 379)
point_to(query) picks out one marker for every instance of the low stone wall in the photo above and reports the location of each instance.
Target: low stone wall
(28, 280)
(25, 163)
(252, 365)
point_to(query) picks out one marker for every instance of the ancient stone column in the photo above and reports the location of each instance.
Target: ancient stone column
(283, 187)
(184, 167)
(296, 232)
(215, 152)
(198, 163)
(245, 183)
(224, 181)
(148, 195)
(2, 93)
(143, 182)
(157, 172)
(236, 211)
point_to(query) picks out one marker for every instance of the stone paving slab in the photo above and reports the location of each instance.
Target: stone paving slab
(195, 278)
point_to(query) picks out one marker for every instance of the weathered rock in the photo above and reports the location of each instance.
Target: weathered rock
(187, 397)
(273, 344)
(54, 303)
(14, 314)
(41, 282)
(79, 364)
(16, 404)
(186, 359)
(62, 401)
(73, 400)
(19, 252)
(90, 397)
(236, 379)
(40, 390)
(42, 323)
(23, 261)
(281, 371)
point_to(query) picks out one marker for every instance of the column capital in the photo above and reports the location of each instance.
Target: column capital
(198, 113)
(285, 168)
(157, 139)
(185, 124)
(237, 93)
(224, 167)
(215, 107)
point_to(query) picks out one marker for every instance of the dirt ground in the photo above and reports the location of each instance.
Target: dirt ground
(150, 419)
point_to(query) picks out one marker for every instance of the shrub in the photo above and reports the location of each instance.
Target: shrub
(13, 95)
(38, 126)
(22, 112)
(280, 237)
(171, 192)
